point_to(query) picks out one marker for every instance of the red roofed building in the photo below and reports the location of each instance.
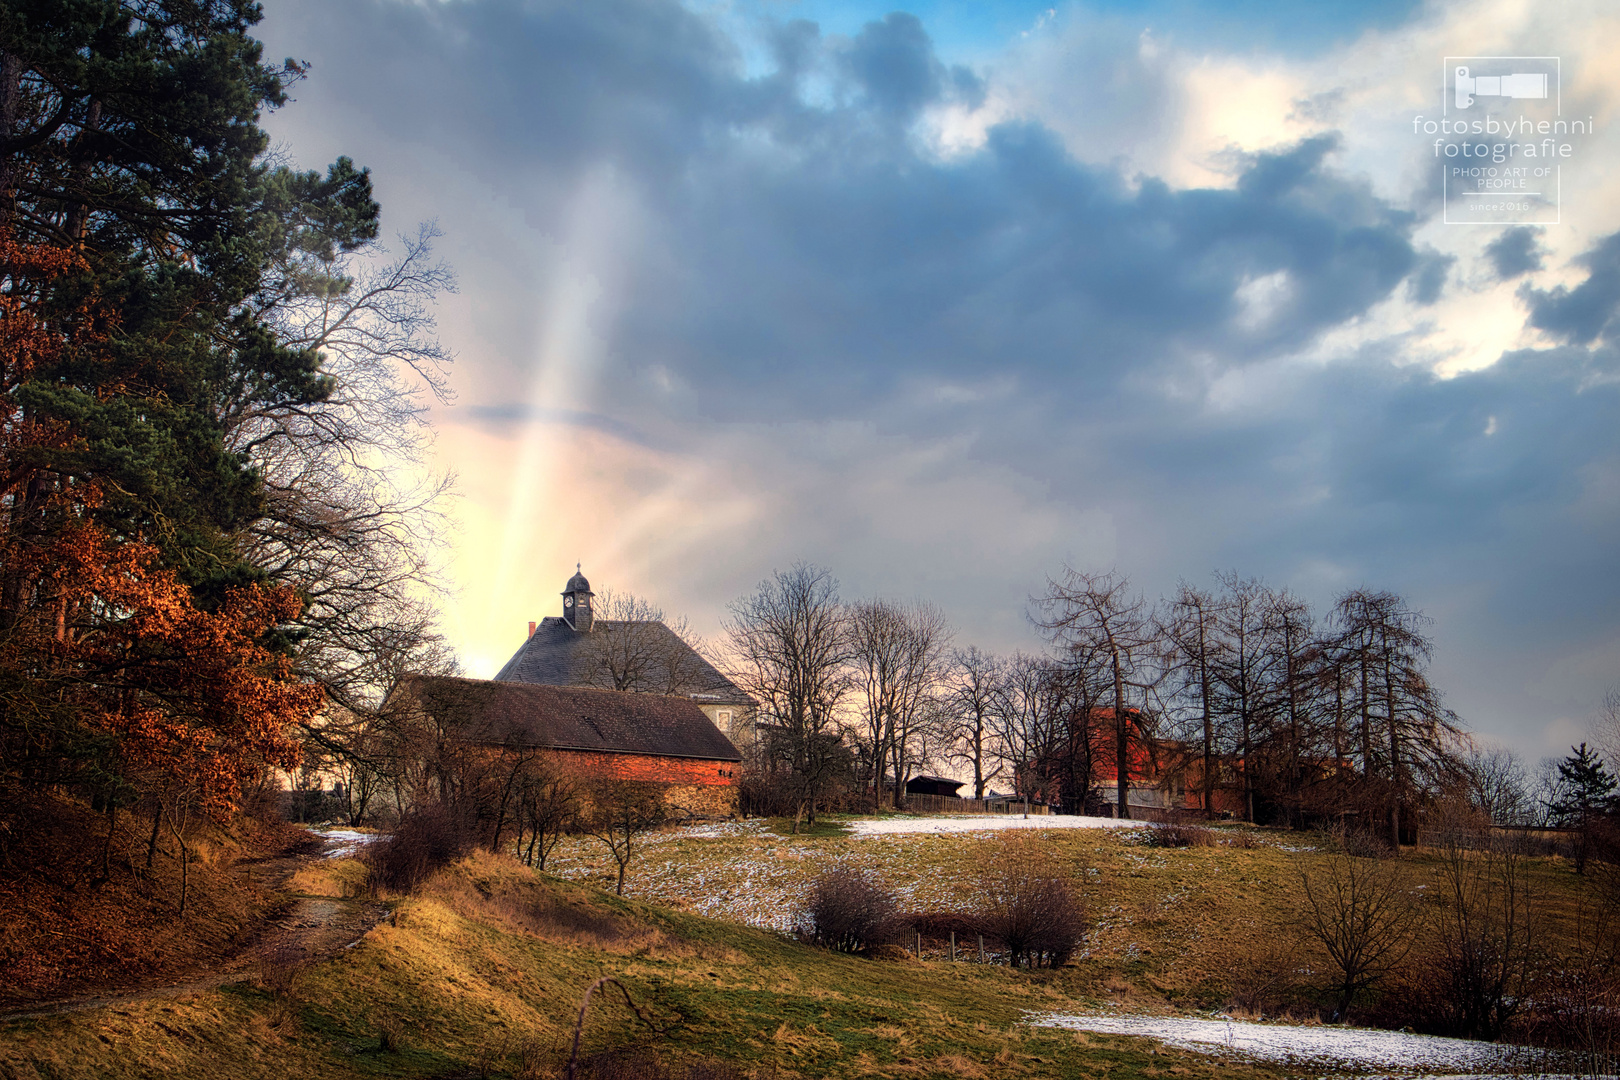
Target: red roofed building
(1163, 775)
(592, 733)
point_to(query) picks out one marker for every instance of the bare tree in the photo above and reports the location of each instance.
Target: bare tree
(550, 806)
(1096, 612)
(897, 657)
(1485, 923)
(1408, 739)
(620, 812)
(1498, 785)
(1242, 669)
(1291, 636)
(1020, 720)
(788, 645)
(972, 682)
(631, 647)
(352, 518)
(1189, 632)
(1362, 913)
(1606, 729)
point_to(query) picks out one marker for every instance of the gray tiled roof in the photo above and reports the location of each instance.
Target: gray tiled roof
(554, 655)
(572, 718)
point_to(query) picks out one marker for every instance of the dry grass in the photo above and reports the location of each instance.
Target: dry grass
(483, 972)
(339, 878)
(1199, 925)
(65, 930)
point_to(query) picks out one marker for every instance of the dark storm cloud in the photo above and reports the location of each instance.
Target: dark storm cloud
(1585, 313)
(869, 263)
(1428, 281)
(1517, 251)
(800, 228)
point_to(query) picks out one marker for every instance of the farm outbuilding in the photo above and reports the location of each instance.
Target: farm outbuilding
(924, 784)
(592, 733)
(578, 648)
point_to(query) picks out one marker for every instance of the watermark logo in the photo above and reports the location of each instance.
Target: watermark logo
(1501, 140)
(1510, 86)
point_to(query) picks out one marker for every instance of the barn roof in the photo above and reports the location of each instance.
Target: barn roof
(572, 718)
(556, 655)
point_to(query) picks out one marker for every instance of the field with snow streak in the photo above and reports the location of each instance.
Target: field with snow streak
(743, 872)
(1356, 1049)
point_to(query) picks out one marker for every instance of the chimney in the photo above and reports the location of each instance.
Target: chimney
(531, 629)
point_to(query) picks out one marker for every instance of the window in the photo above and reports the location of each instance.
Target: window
(724, 716)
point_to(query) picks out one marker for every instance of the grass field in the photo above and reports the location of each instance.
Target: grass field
(482, 972)
(1172, 928)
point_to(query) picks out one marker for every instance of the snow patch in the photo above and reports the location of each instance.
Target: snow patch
(961, 823)
(1355, 1048)
(345, 843)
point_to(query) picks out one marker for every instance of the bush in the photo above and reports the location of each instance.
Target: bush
(1030, 904)
(847, 911)
(426, 839)
(1179, 834)
(1364, 843)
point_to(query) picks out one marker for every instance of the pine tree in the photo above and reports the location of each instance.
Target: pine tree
(142, 235)
(1586, 796)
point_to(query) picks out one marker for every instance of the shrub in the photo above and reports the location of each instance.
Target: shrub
(426, 839)
(847, 911)
(1363, 843)
(1030, 904)
(1179, 834)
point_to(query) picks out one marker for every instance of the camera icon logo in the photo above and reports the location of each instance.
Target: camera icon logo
(1506, 86)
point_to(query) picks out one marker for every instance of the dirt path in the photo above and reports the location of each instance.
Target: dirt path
(303, 930)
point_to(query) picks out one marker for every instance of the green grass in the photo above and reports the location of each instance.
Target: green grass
(824, 825)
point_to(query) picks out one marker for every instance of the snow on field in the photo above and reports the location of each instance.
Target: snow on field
(344, 843)
(959, 823)
(1351, 1048)
(744, 872)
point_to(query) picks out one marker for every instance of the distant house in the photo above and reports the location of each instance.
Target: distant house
(1163, 775)
(639, 656)
(594, 733)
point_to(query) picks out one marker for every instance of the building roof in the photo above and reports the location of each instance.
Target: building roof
(572, 718)
(558, 655)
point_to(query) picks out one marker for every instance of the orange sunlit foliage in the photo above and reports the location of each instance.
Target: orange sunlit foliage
(104, 656)
(193, 697)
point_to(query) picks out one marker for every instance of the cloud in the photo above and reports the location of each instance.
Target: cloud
(1583, 314)
(1517, 251)
(1115, 295)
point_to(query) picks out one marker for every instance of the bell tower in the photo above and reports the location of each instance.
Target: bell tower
(577, 602)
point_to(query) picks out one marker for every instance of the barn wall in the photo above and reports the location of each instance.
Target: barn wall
(697, 786)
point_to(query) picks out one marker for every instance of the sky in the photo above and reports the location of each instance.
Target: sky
(949, 296)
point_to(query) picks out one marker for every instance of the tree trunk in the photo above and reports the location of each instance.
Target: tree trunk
(1122, 769)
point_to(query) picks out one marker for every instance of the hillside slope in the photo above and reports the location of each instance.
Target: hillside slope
(482, 974)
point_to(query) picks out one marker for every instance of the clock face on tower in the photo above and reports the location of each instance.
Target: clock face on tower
(568, 601)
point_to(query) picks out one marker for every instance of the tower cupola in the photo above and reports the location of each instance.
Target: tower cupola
(577, 602)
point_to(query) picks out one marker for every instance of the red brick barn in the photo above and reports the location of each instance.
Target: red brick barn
(595, 733)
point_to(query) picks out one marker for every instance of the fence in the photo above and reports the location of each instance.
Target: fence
(950, 804)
